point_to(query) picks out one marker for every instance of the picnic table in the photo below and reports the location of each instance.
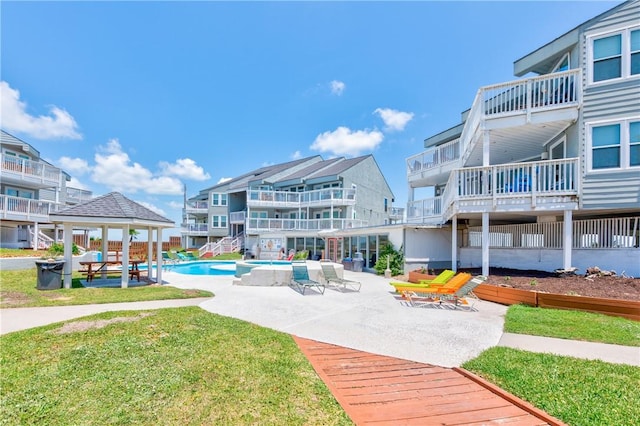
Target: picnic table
(109, 267)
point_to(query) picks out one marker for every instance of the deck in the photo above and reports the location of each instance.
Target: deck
(381, 390)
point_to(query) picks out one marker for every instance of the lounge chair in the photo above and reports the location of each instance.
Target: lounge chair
(168, 260)
(335, 281)
(301, 281)
(442, 295)
(190, 256)
(440, 280)
(450, 286)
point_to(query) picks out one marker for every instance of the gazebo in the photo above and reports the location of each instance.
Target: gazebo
(112, 211)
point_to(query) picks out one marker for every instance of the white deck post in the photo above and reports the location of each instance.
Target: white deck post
(454, 243)
(125, 257)
(149, 252)
(485, 244)
(159, 256)
(567, 239)
(68, 254)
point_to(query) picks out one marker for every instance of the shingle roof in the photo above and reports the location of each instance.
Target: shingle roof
(112, 205)
(338, 167)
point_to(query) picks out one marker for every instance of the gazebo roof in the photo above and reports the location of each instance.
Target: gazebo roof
(111, 209)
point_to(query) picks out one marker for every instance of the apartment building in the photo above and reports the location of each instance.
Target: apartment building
(542, 172)
(30, 189)
(289, 205)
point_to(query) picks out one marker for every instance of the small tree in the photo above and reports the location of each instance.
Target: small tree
(396, 260)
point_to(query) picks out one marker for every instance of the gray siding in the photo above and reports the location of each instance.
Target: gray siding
(613, 189)
(372, 189)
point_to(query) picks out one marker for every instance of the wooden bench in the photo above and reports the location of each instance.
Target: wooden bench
(106, 267)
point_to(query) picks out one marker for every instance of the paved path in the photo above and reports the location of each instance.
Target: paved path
(371, 320)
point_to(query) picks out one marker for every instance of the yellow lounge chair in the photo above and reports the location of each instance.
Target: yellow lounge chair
(450, 286)
(440, 280)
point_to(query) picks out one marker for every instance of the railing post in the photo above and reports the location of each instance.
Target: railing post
(534, 184)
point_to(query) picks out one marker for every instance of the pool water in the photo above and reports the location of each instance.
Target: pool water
(205, 268)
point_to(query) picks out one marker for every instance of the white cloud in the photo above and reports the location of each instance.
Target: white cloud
(114, 169)
(344, 141)
(175, 205)
(74, 166)
(337, 87)
(184, 168)
(393, 119)
(296, 155)
(15, 118)
(223, 180)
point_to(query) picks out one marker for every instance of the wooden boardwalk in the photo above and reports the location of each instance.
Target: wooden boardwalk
(381, 390)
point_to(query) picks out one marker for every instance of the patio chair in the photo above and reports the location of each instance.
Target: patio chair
(450, 286)
(440, 280)
(441, 295)
(189, 255)
(300, 279)
(335, 281)
(168, 260)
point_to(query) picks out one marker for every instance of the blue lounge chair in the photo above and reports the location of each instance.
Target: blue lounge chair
(300, 279)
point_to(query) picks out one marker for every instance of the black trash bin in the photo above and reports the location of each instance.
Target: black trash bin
(49, 274)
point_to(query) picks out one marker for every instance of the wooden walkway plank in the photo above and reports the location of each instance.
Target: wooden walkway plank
(380, 390)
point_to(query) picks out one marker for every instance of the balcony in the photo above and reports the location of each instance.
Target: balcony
(77, 196)
(519, 116)
(237, 217)
(268, 224)
(28, 173)
(517, 187)
(24, 209)
(195, 229)
(197, 207)
(396, 214)
(317, 198)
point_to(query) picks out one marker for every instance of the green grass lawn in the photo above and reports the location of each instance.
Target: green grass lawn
(181, 366)
(18, 289)
(576, 391)
(574, 325)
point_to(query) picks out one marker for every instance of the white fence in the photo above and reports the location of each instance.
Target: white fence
(610, 233)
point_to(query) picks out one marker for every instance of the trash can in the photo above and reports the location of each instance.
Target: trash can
(358, 262)
(49, 274)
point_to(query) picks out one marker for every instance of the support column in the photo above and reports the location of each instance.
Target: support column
(567, 239)
(159, 256)
(485, 244)
(454, 243)
(68, 255)
(149, 253)
(125, 257)
(105, 247)
(36, 231)
(486, 148)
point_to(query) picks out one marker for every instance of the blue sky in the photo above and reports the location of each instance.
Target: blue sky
(145, 97)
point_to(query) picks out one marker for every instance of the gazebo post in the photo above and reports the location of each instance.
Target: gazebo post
(159, 255)
(125, 257)
(68, 254)
(149, 252)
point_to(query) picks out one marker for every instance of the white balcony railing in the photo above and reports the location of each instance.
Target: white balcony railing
(17, 208)
(433, 157)
(197, 207)
(77, 196)
(237, 217)
(30, 171)
(534, 181)
(319, 197)
(256, 224)
(424, 210)
(396, 213)
(194, 228)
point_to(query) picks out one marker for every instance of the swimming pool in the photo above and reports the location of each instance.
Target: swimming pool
(205, 267)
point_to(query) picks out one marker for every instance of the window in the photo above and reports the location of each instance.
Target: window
(219, 221)
(615, 145)
(607, 58)
(386, 205)
(563, 64)
(635, 52)
(21, 193)
(218, 199)
(606, 146)
(615, 55)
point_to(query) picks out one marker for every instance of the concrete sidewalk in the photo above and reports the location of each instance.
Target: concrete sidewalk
(371, 320)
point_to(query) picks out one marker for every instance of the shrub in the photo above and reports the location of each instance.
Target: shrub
(57, 249)
(396, 260)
